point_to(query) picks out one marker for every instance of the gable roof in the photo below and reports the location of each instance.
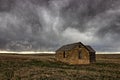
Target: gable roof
(89, 48)
(73, 45)
(69, 46)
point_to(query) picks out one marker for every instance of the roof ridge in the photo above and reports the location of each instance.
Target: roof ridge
(70, 46)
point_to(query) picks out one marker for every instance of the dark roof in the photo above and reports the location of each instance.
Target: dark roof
(73, 45)
(69, 46)
(89, 48)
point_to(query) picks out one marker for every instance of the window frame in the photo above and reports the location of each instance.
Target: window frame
(80, 54)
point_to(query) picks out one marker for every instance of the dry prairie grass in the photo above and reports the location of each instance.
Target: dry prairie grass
(44, 67)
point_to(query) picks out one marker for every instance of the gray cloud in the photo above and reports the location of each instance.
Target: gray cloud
(48, 24)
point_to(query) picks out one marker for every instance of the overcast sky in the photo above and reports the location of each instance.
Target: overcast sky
(49, 24)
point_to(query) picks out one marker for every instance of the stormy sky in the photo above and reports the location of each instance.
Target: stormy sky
(49, 24)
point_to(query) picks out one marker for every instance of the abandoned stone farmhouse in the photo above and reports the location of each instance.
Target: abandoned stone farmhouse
(76, 53)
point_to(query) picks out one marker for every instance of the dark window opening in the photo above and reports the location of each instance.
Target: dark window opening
(79, 46)
(64, 54)
(80, 55)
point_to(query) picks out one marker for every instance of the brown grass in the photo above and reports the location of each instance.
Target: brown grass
(44, 67)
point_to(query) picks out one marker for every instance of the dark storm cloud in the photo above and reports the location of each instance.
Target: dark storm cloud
(6, 5)
(48, 24)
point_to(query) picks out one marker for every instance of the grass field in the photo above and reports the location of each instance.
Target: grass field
(44, 67)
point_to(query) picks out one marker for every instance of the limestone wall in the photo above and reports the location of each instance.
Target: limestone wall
(72, 56)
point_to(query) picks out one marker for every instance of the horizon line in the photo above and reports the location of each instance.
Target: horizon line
(51, 52)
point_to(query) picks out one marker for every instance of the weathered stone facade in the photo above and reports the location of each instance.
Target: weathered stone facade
(76, 53)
